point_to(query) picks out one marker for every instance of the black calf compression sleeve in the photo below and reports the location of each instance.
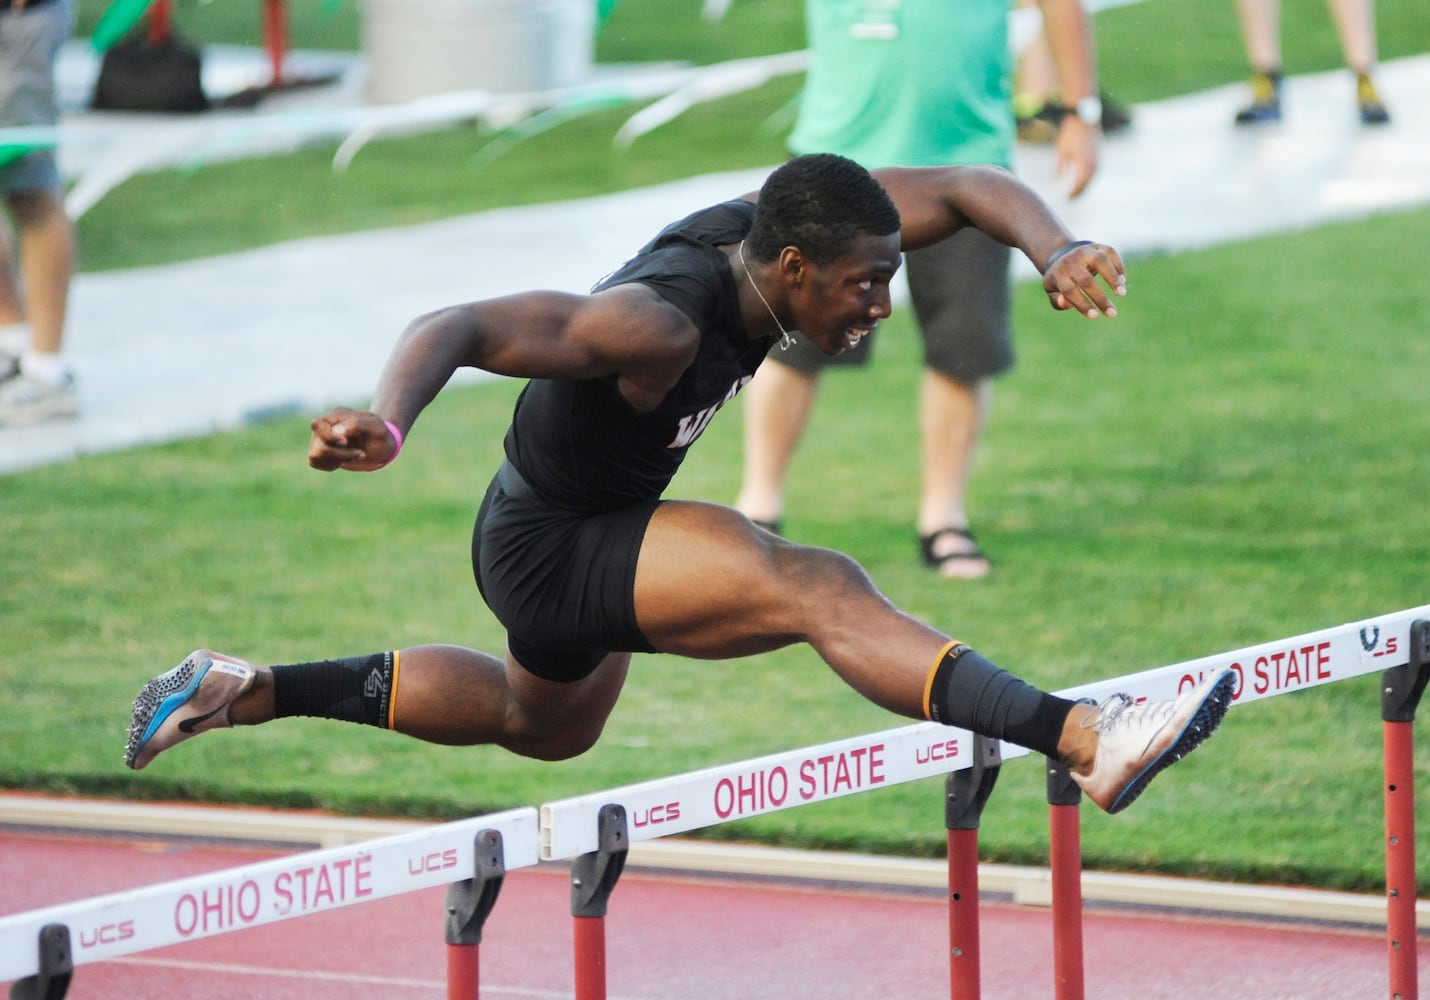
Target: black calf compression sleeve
(357, 689)
(967, 691)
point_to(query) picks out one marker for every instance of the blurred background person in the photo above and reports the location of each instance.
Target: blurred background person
(1261, 31)
(37, 260)
(1037, 98)
(923, 83)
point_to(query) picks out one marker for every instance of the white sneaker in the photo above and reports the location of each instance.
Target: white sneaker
(25, 400)
(1137, 742)
(192, 698)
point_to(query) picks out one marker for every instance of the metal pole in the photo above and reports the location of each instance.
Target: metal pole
(966, 792)
(590, 941)
(1400, 695)
(1065, 847)
(464, 972)
(275, 36)
(160, 18)
(593, 876)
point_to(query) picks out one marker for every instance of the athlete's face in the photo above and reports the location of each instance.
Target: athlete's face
(841, 303)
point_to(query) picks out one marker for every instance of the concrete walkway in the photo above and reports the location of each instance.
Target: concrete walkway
(191, 348)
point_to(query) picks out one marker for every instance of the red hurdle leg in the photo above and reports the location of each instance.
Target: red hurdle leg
(1400, 859)
(1065, 848)
(590, 935)
(965, 793)
(468, 904)
(1401, 689)
(593, 876)
(965, 969)
(464, 971)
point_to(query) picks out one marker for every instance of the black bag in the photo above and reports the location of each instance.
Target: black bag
(140, 75)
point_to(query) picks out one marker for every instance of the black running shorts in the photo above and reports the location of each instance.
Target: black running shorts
(562, 582)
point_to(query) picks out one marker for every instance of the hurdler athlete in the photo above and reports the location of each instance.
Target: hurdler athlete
(584, 563)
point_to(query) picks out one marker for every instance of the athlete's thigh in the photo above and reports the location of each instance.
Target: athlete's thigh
(711, 584)
(560, 719)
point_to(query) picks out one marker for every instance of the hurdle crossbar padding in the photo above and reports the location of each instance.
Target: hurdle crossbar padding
(681, 803)
(715, 795)
(123, 923)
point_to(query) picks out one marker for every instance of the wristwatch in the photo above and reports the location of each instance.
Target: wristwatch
(1089, 109)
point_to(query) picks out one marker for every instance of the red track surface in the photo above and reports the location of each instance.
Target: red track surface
(672, 938)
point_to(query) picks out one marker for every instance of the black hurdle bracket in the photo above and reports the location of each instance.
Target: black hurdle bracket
(470, 901)
(967, 791)
(1402, 686)
(52, 981)
(1062, 790)
(594, 875)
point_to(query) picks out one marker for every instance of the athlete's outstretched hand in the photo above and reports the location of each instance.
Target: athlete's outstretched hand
(355, 440)
(1071, 280)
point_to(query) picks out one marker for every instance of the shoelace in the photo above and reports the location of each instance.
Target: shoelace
(1119, 710)
(1108, 712)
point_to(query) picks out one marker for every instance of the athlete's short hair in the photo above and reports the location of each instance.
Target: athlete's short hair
(819, 203)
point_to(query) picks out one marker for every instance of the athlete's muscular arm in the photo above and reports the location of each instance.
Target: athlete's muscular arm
(935, 202)
(627, 331)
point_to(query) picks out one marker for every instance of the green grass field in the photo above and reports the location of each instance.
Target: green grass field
(1234, 460)
(215, 208)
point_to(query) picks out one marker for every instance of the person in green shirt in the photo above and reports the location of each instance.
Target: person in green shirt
(923, 83)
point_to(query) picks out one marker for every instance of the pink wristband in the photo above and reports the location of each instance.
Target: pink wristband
(396, 433)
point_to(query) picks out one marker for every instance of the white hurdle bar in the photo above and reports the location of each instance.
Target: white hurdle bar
(123, 923)
(698, 799)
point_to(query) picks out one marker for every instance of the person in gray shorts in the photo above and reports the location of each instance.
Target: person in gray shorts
(959, 291)
(923, 83)
(35, 381)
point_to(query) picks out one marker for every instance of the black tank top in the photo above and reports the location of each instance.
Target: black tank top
(580, 444)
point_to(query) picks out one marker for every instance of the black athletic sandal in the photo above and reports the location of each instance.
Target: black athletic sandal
(927, 543)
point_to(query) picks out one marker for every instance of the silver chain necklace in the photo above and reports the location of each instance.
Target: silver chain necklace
(786, 341)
